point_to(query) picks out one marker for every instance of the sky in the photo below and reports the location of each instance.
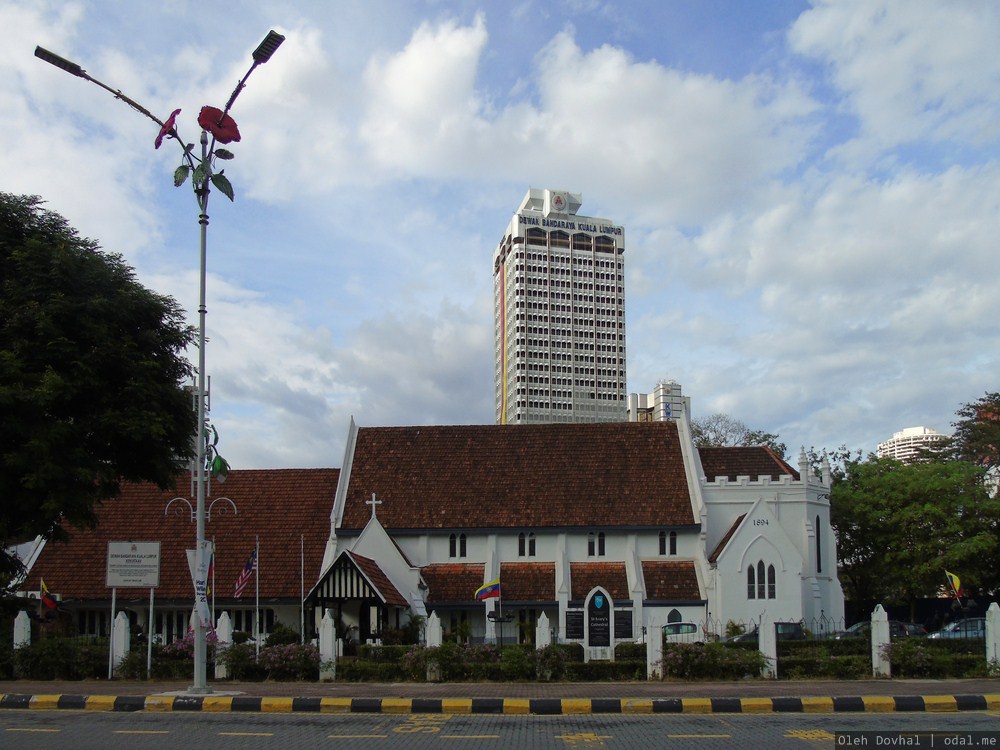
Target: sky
(810, 193)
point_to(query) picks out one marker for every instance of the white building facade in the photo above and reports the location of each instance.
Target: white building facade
(908, 444)
(665, 404)
(559, 314)
(609, 530)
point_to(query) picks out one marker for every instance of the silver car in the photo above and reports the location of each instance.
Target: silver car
(973, 627)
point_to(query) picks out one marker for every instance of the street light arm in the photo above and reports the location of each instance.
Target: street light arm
(74, 69)
(261, 55)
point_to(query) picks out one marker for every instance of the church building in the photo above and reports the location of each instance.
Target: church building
(609, 529)
(628, 518)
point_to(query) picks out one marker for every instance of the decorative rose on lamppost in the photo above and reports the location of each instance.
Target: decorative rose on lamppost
(222, 128)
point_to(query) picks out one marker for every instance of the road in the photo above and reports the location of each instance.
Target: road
(90, 730)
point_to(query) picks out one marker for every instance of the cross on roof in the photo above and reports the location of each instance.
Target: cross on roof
(373, 502)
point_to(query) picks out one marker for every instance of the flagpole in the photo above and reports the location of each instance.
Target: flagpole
(500, 607)
(302, 588)
(212, 563)
(256, 606)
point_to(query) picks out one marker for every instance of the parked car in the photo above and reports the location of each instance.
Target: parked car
(682, 632)
(862, 629)
(784, 631)
(973, 627)
(914, 629)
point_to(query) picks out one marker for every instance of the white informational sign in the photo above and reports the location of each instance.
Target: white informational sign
(133, 565)
(199, 562)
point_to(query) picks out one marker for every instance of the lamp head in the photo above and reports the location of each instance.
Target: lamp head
(61, 62)
(266, 48)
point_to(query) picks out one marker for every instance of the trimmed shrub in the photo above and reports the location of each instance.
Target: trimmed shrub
(630, 651)
(281, 635)
(241, 663)
(600, 671)
(63, 659)
(691, 661)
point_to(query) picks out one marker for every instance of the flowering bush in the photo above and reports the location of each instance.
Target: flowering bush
(286, 661)
(292, 661)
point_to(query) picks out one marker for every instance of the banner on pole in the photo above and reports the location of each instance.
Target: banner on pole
(198, 562)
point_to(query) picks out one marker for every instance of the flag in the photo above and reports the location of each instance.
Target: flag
(47, 599)
(954, 583)
(211, 572)
(489, 590)
(246, 573)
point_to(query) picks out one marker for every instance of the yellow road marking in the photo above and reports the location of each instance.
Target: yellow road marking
(940, 703)
(817, 705)
(470, 736)
(29, 729)
(879, 703)
(699, 736)
(44, 702)
(276, 705)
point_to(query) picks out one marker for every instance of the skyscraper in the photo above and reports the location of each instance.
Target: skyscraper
(559, 314)
(909, 445)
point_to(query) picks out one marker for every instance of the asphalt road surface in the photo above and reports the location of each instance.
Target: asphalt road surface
(89, 730)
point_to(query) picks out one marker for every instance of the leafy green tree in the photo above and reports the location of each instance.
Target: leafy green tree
(722, 430)
(977, 432)
(899, 526)
(92, 378)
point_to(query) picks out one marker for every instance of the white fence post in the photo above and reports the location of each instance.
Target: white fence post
(434, 636)
(767, 643)
(654, 647)
(993, 635)
(327, 647)
(22, 630)
(224, 634)
(880, 640)
(543, 635)
(121, 635)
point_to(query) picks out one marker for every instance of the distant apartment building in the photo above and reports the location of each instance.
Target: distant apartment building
(559, 314)
(907, 445)
(664, 404)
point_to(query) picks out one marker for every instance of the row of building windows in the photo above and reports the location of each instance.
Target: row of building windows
(596, 545)
(563, 258)
(601, 243)
(557, 271)
(585, 287)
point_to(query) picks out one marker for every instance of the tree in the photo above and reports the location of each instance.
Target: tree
(977, 432)
(91, 378)
(900, 526)
(721, 430)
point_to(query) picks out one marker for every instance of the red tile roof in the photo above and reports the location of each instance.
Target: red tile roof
(452, 582)
(725, 539)
(378, 579)
(528, 581)
(519, 476)
(752, 461)
(674, 580)
(610, 576)
(281, 505)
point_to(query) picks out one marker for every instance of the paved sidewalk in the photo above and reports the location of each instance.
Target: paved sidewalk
(511, 697)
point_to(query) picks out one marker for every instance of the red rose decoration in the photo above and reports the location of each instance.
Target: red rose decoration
(167, 128)
(222, 127)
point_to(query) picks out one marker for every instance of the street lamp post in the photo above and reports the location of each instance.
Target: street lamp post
(222, 129)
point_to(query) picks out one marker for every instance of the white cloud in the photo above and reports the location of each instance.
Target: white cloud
(910, 69)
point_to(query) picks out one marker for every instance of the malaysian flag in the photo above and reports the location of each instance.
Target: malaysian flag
(246, 573)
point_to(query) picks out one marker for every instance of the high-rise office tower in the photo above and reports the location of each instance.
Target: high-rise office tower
(559, 314)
